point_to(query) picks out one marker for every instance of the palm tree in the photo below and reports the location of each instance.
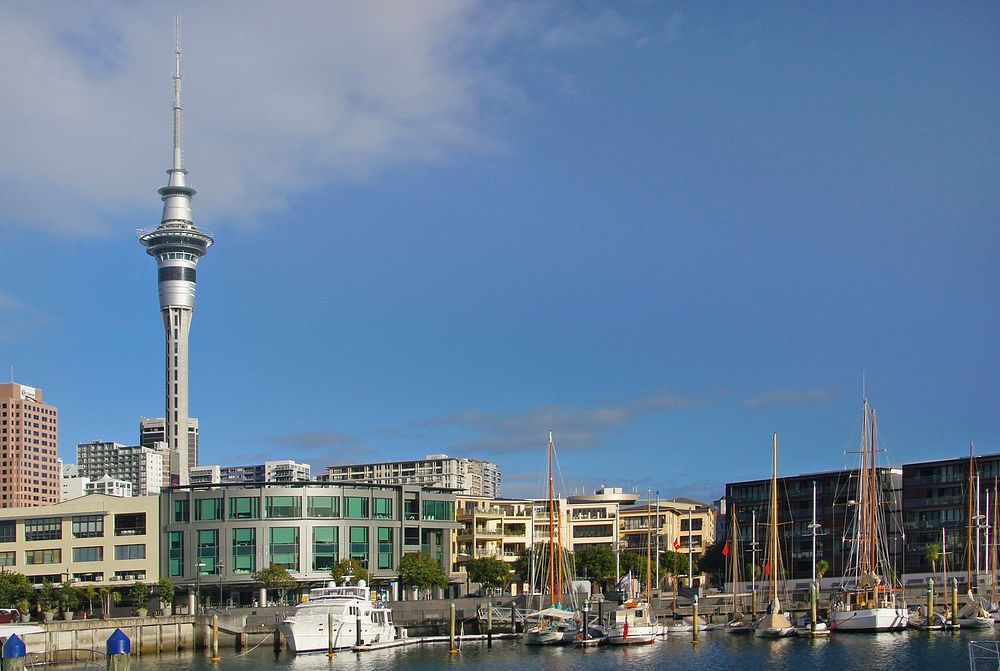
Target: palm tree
(933, 553)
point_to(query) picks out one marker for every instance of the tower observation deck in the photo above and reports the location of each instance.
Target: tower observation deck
(177, 244)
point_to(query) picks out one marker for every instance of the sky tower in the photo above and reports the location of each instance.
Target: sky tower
(177, 244)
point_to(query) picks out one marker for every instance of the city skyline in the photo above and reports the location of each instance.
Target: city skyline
(662, 232)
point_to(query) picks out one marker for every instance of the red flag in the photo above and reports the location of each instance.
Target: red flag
(625, 630)
(677, 544)
(725, 550)
(767, 569)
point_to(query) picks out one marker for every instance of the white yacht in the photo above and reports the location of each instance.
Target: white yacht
(307, 630)
(632, 623)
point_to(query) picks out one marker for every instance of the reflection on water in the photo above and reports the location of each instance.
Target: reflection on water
(905, 651)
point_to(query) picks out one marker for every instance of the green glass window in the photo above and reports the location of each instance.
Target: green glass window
(385, 547)
(244, 508)
(284, 506)
(95, 553)
(244, 550)
(359, 545)
(325, 548)
(207, 509)
(383, 509)
(175, 552)
(207, 551)
(439, 510)
(324, 506)
(182, 510)
(356, 507)
(285, 547)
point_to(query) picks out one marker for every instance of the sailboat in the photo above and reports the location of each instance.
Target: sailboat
(633, 622)
(556, 624)
(774, 623)
(738, 624)
(866, 602)
(973, 614)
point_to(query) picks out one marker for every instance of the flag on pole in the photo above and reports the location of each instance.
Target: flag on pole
(625, 630)
(725, 549)
(767, 569)
(677, 544)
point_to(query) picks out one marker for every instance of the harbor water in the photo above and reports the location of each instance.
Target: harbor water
(905, 651)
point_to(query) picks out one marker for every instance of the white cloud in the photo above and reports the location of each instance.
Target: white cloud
(793, 397)
(19, 321)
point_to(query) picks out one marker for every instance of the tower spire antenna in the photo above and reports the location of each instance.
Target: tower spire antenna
(178, 109)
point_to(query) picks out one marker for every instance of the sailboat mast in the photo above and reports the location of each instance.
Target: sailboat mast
(552, 556)
(734, 553)
(993, 543)
(773, 551)
(873, 500)
(968, 541)
(649, 543)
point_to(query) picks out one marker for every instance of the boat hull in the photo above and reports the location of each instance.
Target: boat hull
(310, 634)
(869, 619)
(550, 636)
(637, 635)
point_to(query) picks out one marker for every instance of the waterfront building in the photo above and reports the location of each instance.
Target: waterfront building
(281, 470)
(474, 477)
(98, 540)
(216, 536)
(141, 466)
(153, 434)
(936, 500)
(677, 525)
(29, 447)
(177, 245)
(836, 493)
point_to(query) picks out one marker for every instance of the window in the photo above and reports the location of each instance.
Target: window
(136, 551)
(383, 509)
(207, 509)
(385, 548)
(88, 526)
(356, 507)
(244, 508)
(359, 545)
(175, 554)
(244, 550)
(182, 510)
(95, 553)
(324, 506)
(439, 510)
(285, 547)
(43, 529)
(130, 524)
(325, 548)
(207, 551)
(33, 557)
(8, 531)
(8, 558)
(284, 506)
(411, 536)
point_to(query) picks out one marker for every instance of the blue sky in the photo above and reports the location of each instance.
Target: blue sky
(661, 230)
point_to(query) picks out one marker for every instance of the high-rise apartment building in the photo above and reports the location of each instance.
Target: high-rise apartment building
(142, 466)
(29, 447)
(177, 244)
(473, 477)
(282, 470)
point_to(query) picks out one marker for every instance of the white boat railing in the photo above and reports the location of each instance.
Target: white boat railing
(984, 655)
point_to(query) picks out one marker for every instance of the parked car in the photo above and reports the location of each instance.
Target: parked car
(9, 615)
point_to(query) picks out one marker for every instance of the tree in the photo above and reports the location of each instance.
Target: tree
(108, 598)
(713, 562)
(90, 593)
(420, 570)
(522, 566)
(488, 572)
(165, 592)
(14, 587)
(675, 563)
(275, 577)
(48, 597)
(597, 562)
(350, 567)
(138, 594)
(933, 553)
(822, 566)
(69, 597)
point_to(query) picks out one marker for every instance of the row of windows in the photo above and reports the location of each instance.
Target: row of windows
(290, 507)
(83, 526)
(283, 549)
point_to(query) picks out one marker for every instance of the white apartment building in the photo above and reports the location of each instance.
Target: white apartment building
(279, 470)
(473, 477)
(139, 465)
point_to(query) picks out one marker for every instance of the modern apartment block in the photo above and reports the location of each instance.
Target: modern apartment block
(93, 540)
(676, 525)
(153, 434)
(29, 447)
(282, 470)
(467, 476)
(216, 536)
(142, 466)
(836, 493)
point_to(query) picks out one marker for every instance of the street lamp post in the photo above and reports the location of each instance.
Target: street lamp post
(197, 593)
(221, 568)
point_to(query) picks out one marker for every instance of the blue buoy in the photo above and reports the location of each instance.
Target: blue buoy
(14, 647)
(118, 643)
